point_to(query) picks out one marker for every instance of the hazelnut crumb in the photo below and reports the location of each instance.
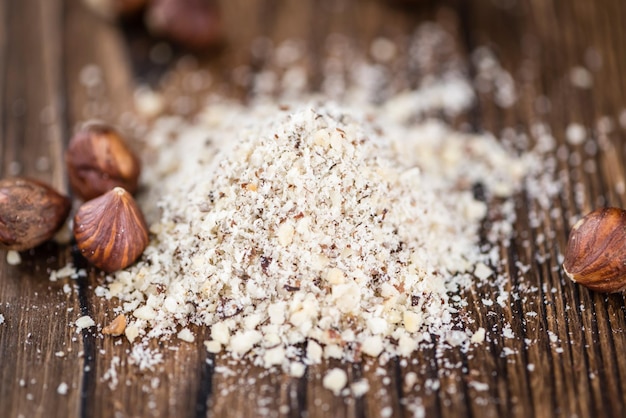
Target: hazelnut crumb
(186, 335)
(84, 322)
(297, 369)
(13, 258)
(335, 380)
(360, 387)
(62, 388)
(131, 333)
(116, 327)
(479, 336)
(213, 346)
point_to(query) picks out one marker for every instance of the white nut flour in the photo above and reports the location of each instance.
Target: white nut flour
(342, 226)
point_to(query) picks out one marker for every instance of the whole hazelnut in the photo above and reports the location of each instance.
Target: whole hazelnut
(110, 230)
(98, 159)
(30, 213)
(596, 251)
(113, 9)
(191, 23)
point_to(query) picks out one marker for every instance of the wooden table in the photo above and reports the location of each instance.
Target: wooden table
(572, 362)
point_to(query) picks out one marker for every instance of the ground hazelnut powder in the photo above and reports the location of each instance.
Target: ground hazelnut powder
(313, 230)
(347, 225)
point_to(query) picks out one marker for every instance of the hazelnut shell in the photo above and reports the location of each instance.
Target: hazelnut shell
(30, 213)
(113, 9)
(193, 24)
(98, 159)
(110, 230)
(596, 251)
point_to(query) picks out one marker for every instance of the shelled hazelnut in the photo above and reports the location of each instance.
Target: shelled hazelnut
(191, 23)
(98, 159)
(30, 213)
(110, 230)
(596, 251)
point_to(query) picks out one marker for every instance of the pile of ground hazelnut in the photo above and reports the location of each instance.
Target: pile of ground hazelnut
(300, 227)
(313, 229)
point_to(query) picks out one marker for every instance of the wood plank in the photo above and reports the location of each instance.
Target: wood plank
(41, 362)
(570, 321)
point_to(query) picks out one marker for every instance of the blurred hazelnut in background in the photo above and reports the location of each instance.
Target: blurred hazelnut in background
(114, 9)
(190, 23)
(98, 159)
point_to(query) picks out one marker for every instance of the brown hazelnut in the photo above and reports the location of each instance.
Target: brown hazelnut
(596, 251)
(190, 23)
(113, 9)
(98, 160)
(110, 230)
(30, 213)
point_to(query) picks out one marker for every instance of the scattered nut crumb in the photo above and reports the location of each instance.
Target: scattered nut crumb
(297, 369)
(386, 412)
(575, 134)
(410, 379)
(84, 322)
(478, 386)
(479, 336)
(213, 346)
(335, 380)
(482, 271)
(66, 271)
(131, 332)
(145, 312)
(116, 327)
(148, 102)
(383, 49)
(360, 387)
(581, 77)
(62, 389)
(145, 358)
(13, 258)
(186, 335)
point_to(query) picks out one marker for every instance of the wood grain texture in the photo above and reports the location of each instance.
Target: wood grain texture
(38, 350)
(566, 358)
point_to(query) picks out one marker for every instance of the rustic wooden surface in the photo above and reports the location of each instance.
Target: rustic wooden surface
(580, 372)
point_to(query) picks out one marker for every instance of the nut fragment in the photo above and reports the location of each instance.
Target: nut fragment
(191, 23)
(116, 327)
(596, 251)
(30, 213)
(98, 160)
(110, 230)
